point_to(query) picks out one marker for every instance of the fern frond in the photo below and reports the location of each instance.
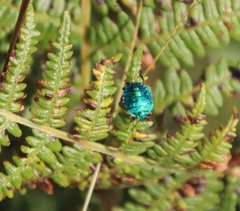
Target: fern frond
(219, 80)
(175, 150)
(229, 197)
(41, 160)
(106, 36)
(11, 93)
(208, 189)
(210, 150)
(174, 92)
(131, 133)
(206, 24)
(209, 22)
(109, 33)
(52, 98)
(178, 192)
(179, 171)
(52, 103)
(77, 164)
(93, 124)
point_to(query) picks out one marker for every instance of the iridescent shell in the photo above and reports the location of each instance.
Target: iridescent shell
(138, 100)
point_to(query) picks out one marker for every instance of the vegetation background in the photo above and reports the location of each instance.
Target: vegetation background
(208, 36)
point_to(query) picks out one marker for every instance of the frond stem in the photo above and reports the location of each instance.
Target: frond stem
(133, 43)
(22, 12)
(90, 190)
(138, 160)
(85, 48)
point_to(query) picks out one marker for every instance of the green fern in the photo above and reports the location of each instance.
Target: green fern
(178, 171)
(200, 28)
(229, 198)
(12, 87)
(177, 192)
(93, 123)
(187, 147)
(176, 90)
(131, 132)
(177, 150)
(210, 151)
(219, 79)
(42, 146)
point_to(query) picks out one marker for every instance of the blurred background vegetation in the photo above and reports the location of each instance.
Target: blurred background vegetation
(86, 53)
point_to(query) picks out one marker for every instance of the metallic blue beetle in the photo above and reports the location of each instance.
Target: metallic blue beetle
(138, 100)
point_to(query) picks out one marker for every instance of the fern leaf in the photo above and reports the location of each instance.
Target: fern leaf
(93, 124)
(109, 33)
(175, 149)
(113, 5)
(42, 147)
(77, 163)
(229, 198)
(174, 92)
(134, 157)
(131, 133)
(52, 103)
(219, 79)
(209, 198)
(48, 19)
(100, 7)
(12, 87)
(209, 22)
(52, 98)
(120, 173)
(178, 192)
(191, 37)
(210, 151)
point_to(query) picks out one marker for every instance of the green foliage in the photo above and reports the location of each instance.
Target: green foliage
(177, 150)
(177, 192)
(219, 79)
(12, 87)
(8, 17)
(229, 198)
(131, 132)
(52, 98)
(176, 167)
(41, 146)
(210, 151)
(176, 90)
(93, 123)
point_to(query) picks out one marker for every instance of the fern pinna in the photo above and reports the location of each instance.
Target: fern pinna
(11, 86)
(178, 169)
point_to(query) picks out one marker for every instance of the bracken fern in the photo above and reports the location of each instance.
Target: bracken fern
(178, 168)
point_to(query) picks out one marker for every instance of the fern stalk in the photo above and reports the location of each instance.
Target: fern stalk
(85, 48)
(133, 43)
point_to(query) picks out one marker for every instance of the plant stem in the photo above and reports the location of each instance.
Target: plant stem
(21, 15)
(85, 48)
(90, 190)
(133, 43)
